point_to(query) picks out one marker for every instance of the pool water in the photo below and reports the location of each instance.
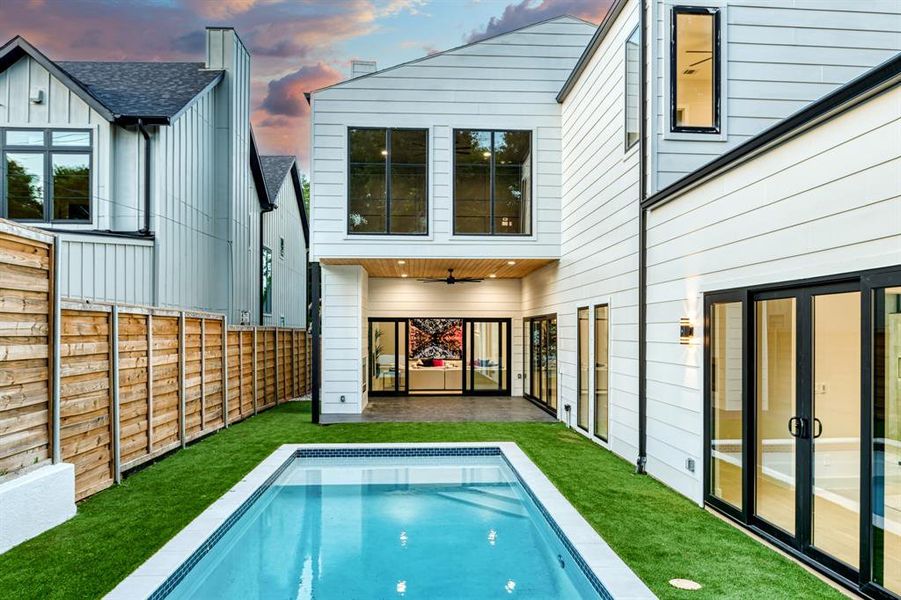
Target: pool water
(392, 527)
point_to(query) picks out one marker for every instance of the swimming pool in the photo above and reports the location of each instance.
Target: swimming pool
(410, 521)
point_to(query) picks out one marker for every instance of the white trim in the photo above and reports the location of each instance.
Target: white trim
(609, 568)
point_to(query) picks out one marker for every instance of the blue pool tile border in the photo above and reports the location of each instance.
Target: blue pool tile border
(173, 580)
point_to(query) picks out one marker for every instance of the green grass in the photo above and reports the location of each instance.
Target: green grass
(660, 534)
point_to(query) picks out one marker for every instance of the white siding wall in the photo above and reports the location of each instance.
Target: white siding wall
(289, 274)
(827, 202)
(599, 227)
(344, 314)
(509, 81)
(498, 298)
(780, 56)
(106, 269)
(61, 108)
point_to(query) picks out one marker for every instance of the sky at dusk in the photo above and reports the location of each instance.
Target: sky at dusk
(296, 45)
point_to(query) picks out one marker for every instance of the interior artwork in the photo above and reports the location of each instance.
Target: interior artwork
(436, 338)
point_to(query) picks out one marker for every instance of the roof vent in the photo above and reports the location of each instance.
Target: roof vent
(358, 68)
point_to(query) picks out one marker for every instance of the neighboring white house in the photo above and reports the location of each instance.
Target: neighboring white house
(602, 230)
(149, 174)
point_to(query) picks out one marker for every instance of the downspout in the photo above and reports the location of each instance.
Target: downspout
(260, 265)
(148, 210)
(642, 252)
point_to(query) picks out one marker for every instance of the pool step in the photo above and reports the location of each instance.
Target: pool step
(488, 500)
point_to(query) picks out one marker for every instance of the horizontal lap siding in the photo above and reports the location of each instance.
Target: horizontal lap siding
(599, 229)
(827, 202)
(509, 81)
(25, 318)
(780, 58)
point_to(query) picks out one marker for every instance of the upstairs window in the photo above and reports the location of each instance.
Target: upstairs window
(492, 182)
(633, 74)
(387, 187)
(694, 70)
(46, 175)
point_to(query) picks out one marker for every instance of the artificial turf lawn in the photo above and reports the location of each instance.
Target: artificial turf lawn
(660, 534)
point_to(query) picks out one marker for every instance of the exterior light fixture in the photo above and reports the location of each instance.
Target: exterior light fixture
(511, 262)
(401, 262)
(493, 276)
(686, 330)
(404, 275)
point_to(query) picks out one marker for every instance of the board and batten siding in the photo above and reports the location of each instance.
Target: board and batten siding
(599, 228)
(506, 82)
(493, 298)
(106, 269)
(289, 276)
(826, 202)
(344, 313)
(778, 57)
(61, 109)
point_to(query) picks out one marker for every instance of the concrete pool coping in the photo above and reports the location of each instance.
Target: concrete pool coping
(616, 577)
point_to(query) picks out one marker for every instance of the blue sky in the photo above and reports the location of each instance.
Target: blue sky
(296, 45)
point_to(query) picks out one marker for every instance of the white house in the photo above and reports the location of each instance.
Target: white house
(687, 227)
(149, 174)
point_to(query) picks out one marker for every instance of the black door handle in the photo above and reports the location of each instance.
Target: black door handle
(796, 426)
(818, 427)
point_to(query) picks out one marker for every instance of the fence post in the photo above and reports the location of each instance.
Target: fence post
(225, 371)
(149, 383)
(181, 378)
(254, 365)
(114, 384)
(202, 374)
(55, 357)
(276, 367)
(240, 373)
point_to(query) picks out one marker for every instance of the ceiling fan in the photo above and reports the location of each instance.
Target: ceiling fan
(450, 279)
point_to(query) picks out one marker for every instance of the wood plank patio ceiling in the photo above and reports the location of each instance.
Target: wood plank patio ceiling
(437, 267)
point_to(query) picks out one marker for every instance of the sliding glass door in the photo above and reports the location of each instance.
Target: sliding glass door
(803, 421)
(387, 356)
(582, 377)
(486, 345)
(541, 360)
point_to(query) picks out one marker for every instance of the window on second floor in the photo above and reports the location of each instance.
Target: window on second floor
(633, 74)
(46, 175)
(266, 290)
(694, 70)
(387, 181)
(281, 248)
(492, 182)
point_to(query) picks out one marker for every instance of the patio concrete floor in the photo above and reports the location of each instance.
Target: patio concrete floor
(409, 409)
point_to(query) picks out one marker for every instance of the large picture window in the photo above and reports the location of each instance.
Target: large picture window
(387, 186)
(46, 175)
(492, 182)
(694, 70)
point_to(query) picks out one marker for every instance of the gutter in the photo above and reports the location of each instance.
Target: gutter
(642, 252)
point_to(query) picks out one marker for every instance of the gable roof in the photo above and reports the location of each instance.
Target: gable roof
(592, 47)
(275, 169)
(873, 82)
(148, 90)
(123, 92)
(569, 18)
(259, 180)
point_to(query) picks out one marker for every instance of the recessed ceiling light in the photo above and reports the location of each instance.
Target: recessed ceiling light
(492, 276)
(401, 262)
(404, 275)
(511, 262)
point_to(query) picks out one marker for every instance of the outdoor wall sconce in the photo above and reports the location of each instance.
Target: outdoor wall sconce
(686, 331)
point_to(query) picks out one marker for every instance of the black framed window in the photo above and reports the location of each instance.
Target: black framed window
(694, 70)
(633, 83)
(266, 284)
(387, 181)
(46, 175)
(492, 182)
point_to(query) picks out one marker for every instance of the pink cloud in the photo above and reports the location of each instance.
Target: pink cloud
(525, 12)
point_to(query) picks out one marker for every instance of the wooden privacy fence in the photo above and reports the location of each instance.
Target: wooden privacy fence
(137, 382)
(112, 387)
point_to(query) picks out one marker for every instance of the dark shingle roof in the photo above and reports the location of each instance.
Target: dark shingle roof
(275, 169)
(142, 89)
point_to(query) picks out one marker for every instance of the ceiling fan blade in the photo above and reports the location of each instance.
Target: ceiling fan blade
(701, 61)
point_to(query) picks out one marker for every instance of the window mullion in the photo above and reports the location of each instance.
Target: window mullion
(491, 165)
(48, 178)
(388, 180)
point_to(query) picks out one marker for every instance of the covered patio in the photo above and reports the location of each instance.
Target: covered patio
(410, 409)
